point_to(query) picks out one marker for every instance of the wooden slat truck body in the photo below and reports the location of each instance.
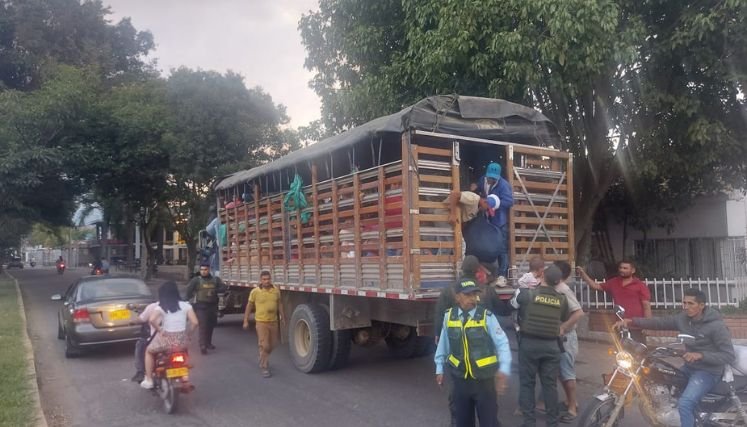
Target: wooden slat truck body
(371, 251)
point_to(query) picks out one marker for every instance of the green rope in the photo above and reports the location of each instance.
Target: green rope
(295, 199)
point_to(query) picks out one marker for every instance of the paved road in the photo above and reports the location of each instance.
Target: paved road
(374, 390)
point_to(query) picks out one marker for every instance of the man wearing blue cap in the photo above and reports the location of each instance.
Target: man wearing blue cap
(493, 184)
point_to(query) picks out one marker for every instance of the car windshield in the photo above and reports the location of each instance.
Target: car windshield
(113, 289)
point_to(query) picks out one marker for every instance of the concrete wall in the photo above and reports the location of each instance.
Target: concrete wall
(713, 216)
(736, 215)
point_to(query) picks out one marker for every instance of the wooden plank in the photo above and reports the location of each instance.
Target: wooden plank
(435, 178)
(299, 246)
(406, 237)
(357, 229)
(512, 261)
(315, 204)
(523, 149)
(456, 185)
(433, 244)
(433, 217)
(336, 235)
(236, 247)
(433, 205)
(549, 186)
(382, 232)
(528, 208)
(257, 203)
(415, 219)
(434, 151)
(286, 234)
(571, 231)
(537, 244)
(443, 259)
(536, 221)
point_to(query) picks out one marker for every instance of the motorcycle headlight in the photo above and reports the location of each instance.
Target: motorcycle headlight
(624, 360)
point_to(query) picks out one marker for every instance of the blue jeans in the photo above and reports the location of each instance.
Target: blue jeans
(700, 383)
(140, 346)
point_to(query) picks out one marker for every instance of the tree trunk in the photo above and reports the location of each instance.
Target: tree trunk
(191, 254)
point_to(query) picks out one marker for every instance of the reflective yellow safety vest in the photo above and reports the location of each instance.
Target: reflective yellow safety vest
(472, 350)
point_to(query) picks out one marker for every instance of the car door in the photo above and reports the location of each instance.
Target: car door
(68, 300)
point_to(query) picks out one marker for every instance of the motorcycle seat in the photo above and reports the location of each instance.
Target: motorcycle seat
(722, 388)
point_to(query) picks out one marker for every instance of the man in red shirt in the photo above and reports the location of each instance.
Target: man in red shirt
(626, 290)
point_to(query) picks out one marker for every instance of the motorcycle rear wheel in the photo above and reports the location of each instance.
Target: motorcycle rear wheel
(597, 413)
(169, 395)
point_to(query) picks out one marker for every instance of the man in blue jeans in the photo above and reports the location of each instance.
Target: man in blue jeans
(493, 183)
(706, 356)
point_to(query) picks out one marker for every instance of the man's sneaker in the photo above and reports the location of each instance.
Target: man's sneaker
(147, 384)
(211, 347)
(203, 350)
(138, 377)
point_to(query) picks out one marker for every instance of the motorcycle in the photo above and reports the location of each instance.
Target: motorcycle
(644, 374)
(170, 373)
(60, 268)
(171, 378)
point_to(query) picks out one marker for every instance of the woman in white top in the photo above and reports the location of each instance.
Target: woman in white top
(169, 323)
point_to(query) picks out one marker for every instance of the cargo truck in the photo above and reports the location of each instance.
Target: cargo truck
(355, 228)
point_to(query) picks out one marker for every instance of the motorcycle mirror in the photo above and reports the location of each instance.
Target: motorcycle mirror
(685, 338)
(56, 297)
(619, 311)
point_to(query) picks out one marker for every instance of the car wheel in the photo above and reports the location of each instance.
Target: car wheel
(71, 350)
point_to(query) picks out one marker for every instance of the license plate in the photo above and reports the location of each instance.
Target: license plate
(119, 314)
(177, 372)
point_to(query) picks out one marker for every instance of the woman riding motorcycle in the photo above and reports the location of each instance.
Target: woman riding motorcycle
(169, 322)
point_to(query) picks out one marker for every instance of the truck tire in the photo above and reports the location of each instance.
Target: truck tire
(424, 346)
(341, 343)
(309, 338)
(402, 347)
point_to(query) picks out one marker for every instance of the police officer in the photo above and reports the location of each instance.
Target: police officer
(202, 292)
(447, 299)
(478, 358)
(543, 313)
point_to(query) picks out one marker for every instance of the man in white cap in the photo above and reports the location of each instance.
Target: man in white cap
(492, 184)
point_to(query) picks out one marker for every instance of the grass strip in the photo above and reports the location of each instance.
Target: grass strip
(16, 403)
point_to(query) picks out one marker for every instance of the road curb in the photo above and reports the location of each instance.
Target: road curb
(41, 420)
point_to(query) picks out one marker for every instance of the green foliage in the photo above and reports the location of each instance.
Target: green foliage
(16, 389)
(645, 94)
(37, 34)
(216, 126)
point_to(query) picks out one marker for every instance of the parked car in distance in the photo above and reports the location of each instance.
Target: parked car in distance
(15, 262)
(100, 310)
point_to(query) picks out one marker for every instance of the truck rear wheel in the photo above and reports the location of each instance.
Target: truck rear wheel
(424, 346)
(401, 341)
(309, 338)
(341, 343)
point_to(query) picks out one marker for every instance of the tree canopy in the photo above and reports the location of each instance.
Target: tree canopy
(645, 93)
(87, 119)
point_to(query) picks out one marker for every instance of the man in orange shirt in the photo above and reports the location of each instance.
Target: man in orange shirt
(264, 301)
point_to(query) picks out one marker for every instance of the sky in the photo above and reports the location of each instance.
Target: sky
(257, 38)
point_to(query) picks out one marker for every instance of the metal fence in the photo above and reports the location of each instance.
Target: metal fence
(667, 293)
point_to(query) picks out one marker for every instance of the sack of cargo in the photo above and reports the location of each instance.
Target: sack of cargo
(483, 240)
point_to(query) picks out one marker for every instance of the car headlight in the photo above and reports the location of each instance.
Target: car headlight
(624, 360)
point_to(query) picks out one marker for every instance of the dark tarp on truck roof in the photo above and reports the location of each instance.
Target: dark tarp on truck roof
(485, 118)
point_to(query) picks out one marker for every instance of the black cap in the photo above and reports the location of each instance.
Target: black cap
(466, 286)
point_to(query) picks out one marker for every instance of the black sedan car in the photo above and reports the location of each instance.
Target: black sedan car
(101, 310)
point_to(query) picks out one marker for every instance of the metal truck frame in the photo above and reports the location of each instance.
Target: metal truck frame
(369, 253)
